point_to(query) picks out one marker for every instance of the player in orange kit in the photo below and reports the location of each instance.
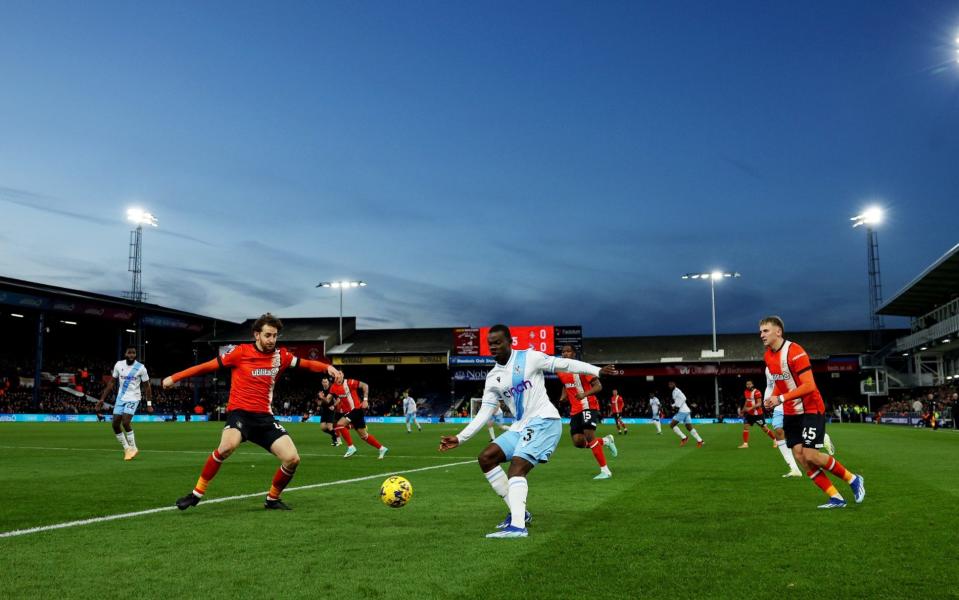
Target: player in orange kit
(249, 417)
(353, 408)
(791, 384)
(752, 412)
(584, 414)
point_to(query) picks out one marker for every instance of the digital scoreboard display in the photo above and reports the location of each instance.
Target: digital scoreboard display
(537, 337)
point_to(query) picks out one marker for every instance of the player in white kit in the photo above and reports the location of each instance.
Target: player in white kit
(683, 415)
(654, 412)
(409, 411)
(132, 377)
(516, 379)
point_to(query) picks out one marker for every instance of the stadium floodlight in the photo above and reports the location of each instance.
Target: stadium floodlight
(17, 315)
(869, 217)
(138, 216)
(341, 285)
(713, 277)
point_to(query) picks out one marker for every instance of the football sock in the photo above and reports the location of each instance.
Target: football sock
(681, 435)
(771, 435)
(518, 490)
(745, 436)
(332, 434)
(345, 434)
(497, 479)
(280, 479)
(659, 426)
(787, 455)
(695, 434)
(372, 441)
(492, 433)
(123, 440)
(821, 481)
(839, 471)
(212, 465)
(131, 441)
(597, 447)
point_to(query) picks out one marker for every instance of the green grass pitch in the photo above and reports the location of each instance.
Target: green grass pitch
(673, 522)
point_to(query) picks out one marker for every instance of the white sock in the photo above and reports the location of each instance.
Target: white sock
(787, 455)
(408, 429)
(695, 435)
(659, 426)
(497, 479)
(123, 440)
(492, 434)
(518, 490)
(605, 469)
(130, 441)
(681, 435)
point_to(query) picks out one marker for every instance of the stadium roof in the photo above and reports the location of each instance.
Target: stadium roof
(437, 340)
(935, 286)
(19, 292)
(737, 347)
(294, 330)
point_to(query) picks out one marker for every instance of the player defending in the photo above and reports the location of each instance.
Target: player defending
(327, 405)
(616, 405)
(135, 382)
(584, 414)
(682, 416)
(249, 417)
(347, 393)
(752, 412)
(409, 411)
(655, 412)
(517, 380)
(792, 385)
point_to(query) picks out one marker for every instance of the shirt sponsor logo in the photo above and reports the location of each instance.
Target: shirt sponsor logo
(781, 376)
(518, 389)
(265, 372)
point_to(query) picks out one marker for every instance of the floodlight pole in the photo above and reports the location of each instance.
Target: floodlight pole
(875, 286)
(340, 285)
(712, 294)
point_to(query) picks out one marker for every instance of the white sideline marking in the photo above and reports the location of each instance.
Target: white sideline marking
(18, 532)
(359, 455)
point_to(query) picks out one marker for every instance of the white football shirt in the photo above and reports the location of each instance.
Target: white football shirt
(679, 401)
(129, 377)
(409, 405)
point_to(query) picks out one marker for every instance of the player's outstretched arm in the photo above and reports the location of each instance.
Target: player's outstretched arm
(318, 367)
(200, 369)
(478, 422)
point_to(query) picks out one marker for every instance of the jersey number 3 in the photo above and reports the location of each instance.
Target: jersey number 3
(529, 435)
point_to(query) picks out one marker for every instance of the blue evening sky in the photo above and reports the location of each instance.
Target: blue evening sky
(533, 163)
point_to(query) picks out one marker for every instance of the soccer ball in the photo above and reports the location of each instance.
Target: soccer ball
(396, 491)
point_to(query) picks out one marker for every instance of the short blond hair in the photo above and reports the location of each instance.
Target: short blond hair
(773, 320)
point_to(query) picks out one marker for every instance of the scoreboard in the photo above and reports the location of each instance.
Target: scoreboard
(549, 339)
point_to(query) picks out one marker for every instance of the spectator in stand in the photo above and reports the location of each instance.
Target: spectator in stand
(917, 406)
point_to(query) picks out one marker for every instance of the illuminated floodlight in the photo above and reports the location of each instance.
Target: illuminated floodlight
(341, 285)
(869, 217)
(138, 216)
(17, 315)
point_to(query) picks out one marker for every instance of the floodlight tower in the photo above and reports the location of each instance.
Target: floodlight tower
(713, 278)
(870, 218)
(341, 285)
(138, 217)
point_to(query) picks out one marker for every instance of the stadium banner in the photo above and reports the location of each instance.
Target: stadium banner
(472, 361)
(309, 351)
(466, 341)
(391, 359)
(469, 375)
(35, 418)
(568, 335)
(757, 369)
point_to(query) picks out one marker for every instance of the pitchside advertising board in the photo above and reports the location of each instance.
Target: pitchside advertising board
(471, 341)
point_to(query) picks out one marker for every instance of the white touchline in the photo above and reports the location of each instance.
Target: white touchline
(246, 455)
(139, 513)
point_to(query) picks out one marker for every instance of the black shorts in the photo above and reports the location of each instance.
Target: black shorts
(260, 428)
(357, 418)
(756, 420)
(808, 430)
(587, 419)
(327, 415)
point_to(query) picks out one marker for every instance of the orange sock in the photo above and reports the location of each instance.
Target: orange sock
(212, 465)
(597, 447)
(745, 436)
(372, 441)
(345, 434)
(771, 435)
(280, 481)
(839, 471)
(820, 479)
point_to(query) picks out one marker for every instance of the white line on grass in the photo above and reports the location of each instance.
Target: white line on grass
(140, 513)
(359, 455)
